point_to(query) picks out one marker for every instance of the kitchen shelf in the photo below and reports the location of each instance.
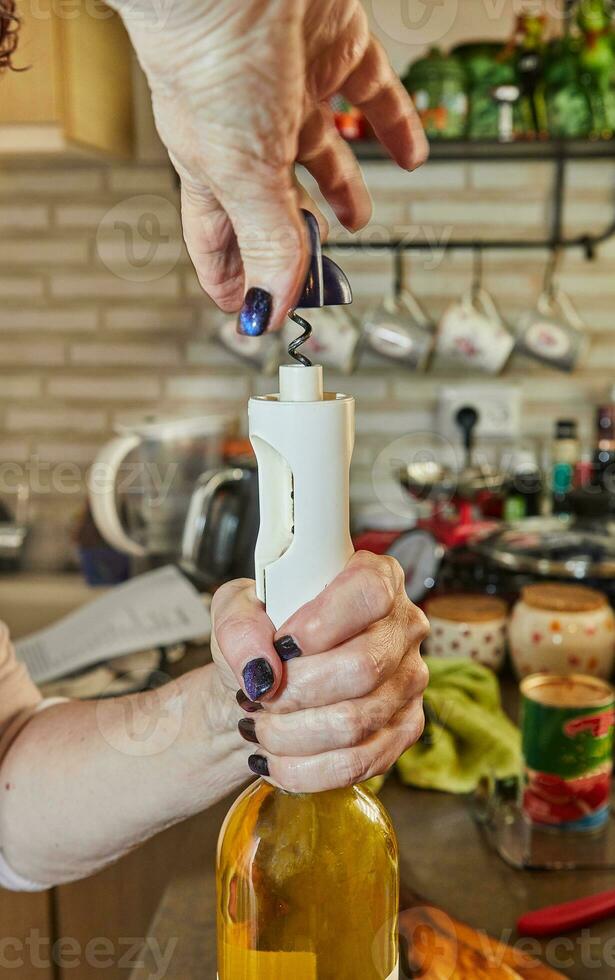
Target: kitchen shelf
(491, 151)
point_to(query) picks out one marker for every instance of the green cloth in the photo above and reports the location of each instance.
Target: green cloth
(468, 736)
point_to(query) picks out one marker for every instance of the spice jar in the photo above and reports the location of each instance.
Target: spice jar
(467, 625)
(557, 628)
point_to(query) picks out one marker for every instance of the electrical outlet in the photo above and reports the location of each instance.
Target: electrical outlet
(498, 407)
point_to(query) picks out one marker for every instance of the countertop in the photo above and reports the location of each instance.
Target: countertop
(444, 858)
(30, 601)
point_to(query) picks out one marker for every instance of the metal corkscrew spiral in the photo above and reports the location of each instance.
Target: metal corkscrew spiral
(293, 347)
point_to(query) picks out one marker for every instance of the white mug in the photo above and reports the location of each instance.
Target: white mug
(400, 330)
(552, 333)
(473, 333)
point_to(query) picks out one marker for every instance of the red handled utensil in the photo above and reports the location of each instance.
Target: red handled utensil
(556, 919)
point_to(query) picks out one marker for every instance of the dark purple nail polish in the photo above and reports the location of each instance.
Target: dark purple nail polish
(244, 702)
(259, 765)
(258, 678)
(255, 313)
(247, 729)
(287, 648)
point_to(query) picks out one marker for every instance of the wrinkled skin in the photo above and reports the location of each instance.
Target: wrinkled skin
(240, 90)
(347, 708)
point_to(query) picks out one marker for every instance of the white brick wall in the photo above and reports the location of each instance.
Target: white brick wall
(84, 346)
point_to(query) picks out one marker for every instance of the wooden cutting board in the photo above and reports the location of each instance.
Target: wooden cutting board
(437, 947)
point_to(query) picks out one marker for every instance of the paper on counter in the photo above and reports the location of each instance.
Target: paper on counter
(155, 609)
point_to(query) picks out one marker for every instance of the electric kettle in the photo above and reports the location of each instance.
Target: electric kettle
(142, 482)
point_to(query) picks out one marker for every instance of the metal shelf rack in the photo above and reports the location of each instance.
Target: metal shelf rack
(560, 153)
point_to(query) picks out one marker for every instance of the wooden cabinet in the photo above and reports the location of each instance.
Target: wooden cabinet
(26, 936)
(76, 92)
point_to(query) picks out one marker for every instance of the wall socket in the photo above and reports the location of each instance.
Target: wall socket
(498, 407)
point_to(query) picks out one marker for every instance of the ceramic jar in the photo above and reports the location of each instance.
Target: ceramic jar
(557, 628)
(467, 625)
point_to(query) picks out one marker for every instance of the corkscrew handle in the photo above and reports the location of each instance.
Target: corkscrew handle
(303, 443)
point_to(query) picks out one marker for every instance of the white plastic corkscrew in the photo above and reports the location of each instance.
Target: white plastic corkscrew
(303, 440)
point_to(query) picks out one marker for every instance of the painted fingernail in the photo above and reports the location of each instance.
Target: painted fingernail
(244, 702)
(255, 313)
(247, 729)
(259, 765)
(287, 648)
(258, 678)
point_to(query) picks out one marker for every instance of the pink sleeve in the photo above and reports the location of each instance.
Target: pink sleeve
(19, 696)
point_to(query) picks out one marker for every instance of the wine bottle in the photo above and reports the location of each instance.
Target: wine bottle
(308, 884)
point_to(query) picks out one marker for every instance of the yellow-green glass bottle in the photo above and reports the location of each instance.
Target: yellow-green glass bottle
(308, 887)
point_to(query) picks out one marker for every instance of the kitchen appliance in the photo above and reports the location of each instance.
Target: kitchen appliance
(458, 501)
(508, 557)
(457, 495)
(142, 482)
(222, 523)
(288, 861)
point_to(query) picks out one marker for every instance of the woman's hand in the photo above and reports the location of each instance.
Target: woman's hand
(240, 91)
(348, 700)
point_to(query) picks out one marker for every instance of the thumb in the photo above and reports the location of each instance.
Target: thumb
(272, 240)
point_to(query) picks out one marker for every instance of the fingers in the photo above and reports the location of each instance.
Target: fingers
(374, 88)
(244, 639)
(272, 240)
(346, 767)
(352, 670)
(212, 246)
(307, 203)
(342, 725)
(335, 168)
(364, 593)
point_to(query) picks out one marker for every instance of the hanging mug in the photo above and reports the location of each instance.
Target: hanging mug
(400, 330)
(335, 338)
(553, 333)
(473, 333)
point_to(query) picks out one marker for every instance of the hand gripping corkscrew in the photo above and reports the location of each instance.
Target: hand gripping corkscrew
(303, 440)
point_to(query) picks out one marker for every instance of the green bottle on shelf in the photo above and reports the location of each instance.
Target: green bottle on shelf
(487, 68)
(597, 58)
(438, 86)
(569, 102)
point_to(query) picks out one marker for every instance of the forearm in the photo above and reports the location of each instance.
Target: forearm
(87, 781)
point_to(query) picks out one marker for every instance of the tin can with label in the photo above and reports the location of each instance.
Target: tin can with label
(567, 736)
